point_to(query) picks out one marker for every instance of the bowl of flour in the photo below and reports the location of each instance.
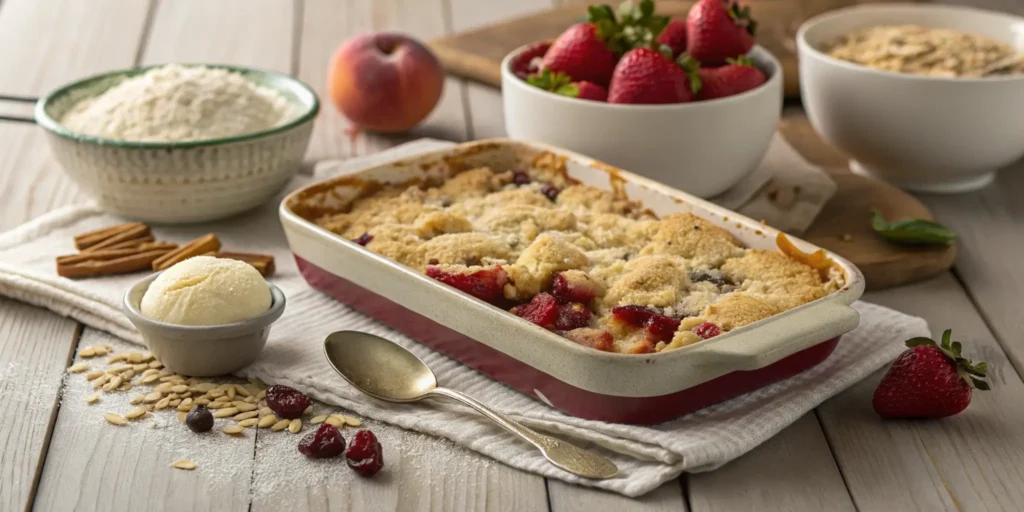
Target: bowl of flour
(180, 143)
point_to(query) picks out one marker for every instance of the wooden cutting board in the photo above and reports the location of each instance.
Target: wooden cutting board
(477, 54)
(844, 225)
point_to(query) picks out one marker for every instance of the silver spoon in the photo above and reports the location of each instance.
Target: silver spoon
(387, 371)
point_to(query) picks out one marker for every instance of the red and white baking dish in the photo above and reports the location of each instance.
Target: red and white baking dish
(583, 382)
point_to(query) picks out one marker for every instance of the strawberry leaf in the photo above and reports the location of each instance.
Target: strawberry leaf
(919, 341)
(549, 81)
(742, 60)
(568, 90)
(980, 384)
(741, 16)
(912, 231)
(639, 25)
(691, 67)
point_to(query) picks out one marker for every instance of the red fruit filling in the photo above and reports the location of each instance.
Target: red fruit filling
(365, 455)
(550, 191)
(324, 443)
(364, 239)
(520, 178)
(660, 328)
(636, 316)
(286, 402)
(572, 316)
(572, 289)
(485, 284)
(707, 330)
(593, 338)
(542, 310)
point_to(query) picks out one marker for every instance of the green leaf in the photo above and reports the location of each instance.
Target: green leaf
(568, 90)
(742, 60)
(602, 12)
(912, 231)
(980, 384)
(919, 341)
(549, 81)
(980, 368)
(956, 348)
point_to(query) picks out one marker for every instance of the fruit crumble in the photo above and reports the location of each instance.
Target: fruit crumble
(600, 270)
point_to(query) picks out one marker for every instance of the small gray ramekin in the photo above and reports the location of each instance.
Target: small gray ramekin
(204, 350)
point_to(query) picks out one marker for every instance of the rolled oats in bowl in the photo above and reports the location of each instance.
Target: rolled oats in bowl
(927, 51)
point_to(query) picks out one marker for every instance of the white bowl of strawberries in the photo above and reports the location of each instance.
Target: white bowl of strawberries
(690, 103)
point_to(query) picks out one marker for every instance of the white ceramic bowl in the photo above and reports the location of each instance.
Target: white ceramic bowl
(202, 350)
(180, 182)
(702, 148)
(923, 133)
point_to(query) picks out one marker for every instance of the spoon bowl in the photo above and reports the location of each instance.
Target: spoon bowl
(387, 371)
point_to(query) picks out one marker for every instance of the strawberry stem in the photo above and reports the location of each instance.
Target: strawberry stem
(741, 15)
(691, 66)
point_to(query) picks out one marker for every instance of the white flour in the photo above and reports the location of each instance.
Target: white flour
(175, 103)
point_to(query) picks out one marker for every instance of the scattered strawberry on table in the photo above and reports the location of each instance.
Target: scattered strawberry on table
(929, 380)
(639, 57)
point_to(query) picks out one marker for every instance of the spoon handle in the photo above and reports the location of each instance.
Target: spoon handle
(567, 456)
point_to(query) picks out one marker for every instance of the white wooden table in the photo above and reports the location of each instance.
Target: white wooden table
(840, 457)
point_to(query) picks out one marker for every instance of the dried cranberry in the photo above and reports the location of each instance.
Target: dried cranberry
(527, 62)
(660, 328)
(636, 316)
(572, 316)
(364, 239)
(199, 419)
(715, 277)
(707, 330)
(573, 290)
(550, 191)
(520, 178)
(541, 310)
(485, 284)
(324, 443)
(365, 455)
(286, 402)
(593, 338)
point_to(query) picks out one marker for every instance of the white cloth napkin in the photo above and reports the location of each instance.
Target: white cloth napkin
(648, 456)
(785, 191)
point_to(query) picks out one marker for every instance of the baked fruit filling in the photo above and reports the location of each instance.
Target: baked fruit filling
(597, 269)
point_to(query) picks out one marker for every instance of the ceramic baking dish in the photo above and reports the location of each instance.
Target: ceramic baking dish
(583, 382)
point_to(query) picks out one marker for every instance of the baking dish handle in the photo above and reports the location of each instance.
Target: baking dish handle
(777, 340)
(18, 99)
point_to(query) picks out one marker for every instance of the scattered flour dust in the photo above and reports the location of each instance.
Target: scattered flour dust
(226, 465)
(175, 103)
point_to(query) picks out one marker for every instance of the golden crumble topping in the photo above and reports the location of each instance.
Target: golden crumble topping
(594, 267)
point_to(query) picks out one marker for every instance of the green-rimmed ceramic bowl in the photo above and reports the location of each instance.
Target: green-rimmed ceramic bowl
(180, 182)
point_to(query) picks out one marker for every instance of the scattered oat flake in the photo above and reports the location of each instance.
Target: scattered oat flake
(187, 465)
(318, 419)
(93, 398)
(295, 426)
(114, 419)
(267, 421)
(281, 425)
(233, 430)
(78, 368)
(137, 412)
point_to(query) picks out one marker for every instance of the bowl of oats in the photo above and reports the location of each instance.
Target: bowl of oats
(180, 143)
(927, 97)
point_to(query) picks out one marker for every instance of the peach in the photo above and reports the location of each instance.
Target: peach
(384, 82)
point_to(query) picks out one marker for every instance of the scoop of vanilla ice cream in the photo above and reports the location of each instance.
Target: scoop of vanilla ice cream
(207, 291)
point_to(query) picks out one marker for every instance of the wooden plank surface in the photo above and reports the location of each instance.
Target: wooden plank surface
(972, 461)
(95, 466)
(35, 345)
(34, 349)
(792, 471)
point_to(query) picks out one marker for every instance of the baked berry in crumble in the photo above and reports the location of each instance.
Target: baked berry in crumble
(583, 262)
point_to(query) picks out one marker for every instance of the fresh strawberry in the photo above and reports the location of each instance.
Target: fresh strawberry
(717, 30)
(588, 51)
(674, 36)
(739, 75)
(647, 76)
(561, 83)
(528, 62)
(929, 380)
